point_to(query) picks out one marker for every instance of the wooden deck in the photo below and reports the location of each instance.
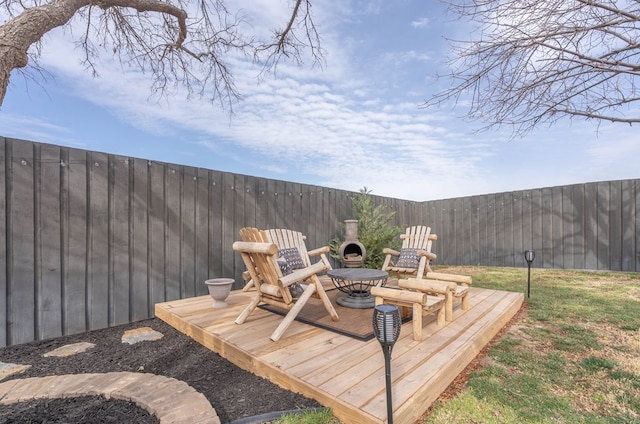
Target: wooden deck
(341, 372)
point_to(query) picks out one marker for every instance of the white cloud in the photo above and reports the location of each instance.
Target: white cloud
(420, 23)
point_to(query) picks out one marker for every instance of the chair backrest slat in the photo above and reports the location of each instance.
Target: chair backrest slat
(288, 238)
(417, 237)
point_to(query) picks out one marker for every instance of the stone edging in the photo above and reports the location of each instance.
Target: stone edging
(170, 400)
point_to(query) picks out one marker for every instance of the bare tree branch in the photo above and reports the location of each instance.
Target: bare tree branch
(532, 62)
(158, 37)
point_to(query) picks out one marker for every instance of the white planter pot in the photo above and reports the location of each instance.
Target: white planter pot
(219, 289)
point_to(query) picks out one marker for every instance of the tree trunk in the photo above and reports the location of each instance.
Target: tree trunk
(19, 33)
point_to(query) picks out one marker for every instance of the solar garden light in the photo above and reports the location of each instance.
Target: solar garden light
(529, 256)
(386, 326)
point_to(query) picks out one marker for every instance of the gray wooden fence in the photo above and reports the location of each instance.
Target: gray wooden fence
(90, 240)
(593, 226)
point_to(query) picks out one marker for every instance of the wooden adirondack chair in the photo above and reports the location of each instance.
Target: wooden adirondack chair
(260, 258)
(289, 239)
(414, 257)
(416, 265)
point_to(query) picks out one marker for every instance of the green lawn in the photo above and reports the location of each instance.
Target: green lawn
(572, 357)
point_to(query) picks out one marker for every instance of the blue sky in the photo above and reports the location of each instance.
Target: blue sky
(354, 123)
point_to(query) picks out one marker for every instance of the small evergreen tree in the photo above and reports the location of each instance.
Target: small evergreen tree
(375, 230)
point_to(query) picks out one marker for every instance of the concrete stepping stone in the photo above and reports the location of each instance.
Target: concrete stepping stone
(140, 335)
(70, 349)
(6, 369)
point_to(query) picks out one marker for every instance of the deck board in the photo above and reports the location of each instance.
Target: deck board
(341, 372)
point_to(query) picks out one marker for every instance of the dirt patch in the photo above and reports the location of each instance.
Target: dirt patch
(233, 392)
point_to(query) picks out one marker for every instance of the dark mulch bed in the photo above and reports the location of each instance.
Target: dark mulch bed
(233, 393)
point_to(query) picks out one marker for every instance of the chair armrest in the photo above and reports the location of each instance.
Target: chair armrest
(388, 251)
(399, 295)
(302, 274)
(428, 286)
(429, 255)
(319, 251)
(255, 247)
(461, 279)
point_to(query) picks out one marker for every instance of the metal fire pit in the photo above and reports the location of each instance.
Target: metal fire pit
(357, 283)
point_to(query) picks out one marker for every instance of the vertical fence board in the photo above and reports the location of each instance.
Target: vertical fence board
(615, 226)
(229, 231)
(536, 225)
(242, 217)
(173, 227)
(98, 241)
(4, 238)
(547, 229)
(577, 206)
(157, 219)
(120, 227)
(527, 226)
(281, 219)
(474, 206)
(567, 217)
(457, 233)
(270, 197)
(305, 209)
(187, 232)
(139, 259)
(483, 231)
(291, 208)
(603, 248)
(316, 232)
(49, 266)
(215, 226)
(21, 287)
(556, 216)
(250, 201)
(517, 228)
(75, 237)
(628, 225)
(495, 222)
(262, 204)
(444, 237)
(437, 226)
(202, 272)
(636, 246)
(591, 225)
(340, 200)
(504, 240)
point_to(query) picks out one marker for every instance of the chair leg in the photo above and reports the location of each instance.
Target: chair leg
(465, 302)
(247, 311)
(325, 299)
(448, 306)
(417, 321)
(248, 286)
(441, 316)
(293, 312)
